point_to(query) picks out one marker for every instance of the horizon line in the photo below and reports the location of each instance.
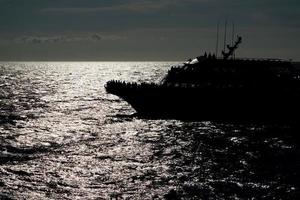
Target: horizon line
(91, 61)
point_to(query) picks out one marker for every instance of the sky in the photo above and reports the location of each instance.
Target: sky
(145, 30)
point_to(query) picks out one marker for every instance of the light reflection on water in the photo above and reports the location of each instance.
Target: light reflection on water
(61, 138)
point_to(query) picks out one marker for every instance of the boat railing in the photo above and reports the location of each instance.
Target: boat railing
(261, 59)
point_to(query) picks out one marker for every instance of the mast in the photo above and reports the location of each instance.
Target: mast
(225, 35)
(217, 43)
(232, 38)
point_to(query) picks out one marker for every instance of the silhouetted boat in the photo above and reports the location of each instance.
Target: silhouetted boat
(211, 88)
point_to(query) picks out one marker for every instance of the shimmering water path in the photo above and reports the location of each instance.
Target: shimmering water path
(63, 137)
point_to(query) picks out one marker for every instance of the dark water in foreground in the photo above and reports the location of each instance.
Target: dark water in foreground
(61, 138)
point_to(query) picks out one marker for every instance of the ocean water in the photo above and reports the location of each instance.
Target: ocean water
(63, 137)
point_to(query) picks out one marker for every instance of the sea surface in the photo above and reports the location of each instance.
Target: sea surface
(63, 137)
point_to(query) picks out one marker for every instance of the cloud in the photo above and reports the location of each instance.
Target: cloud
(64, 38)
(141, 6)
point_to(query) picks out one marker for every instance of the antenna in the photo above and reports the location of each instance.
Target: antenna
(225, 35)
(217, 43)
(232, 38)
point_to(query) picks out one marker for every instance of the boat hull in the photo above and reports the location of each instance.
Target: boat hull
(154, 101)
